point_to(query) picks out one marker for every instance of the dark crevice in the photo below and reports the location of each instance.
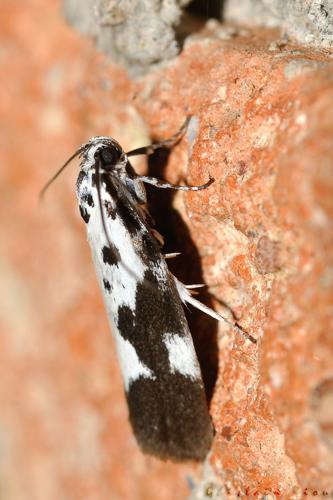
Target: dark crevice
(206, 9)
(195, 16)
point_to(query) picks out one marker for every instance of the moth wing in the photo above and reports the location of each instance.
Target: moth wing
(162, 378)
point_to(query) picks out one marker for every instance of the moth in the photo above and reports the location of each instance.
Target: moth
(144, 301)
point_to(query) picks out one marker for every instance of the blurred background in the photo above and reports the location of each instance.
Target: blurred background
(63, 419)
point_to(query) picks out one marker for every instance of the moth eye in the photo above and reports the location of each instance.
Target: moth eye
(109, 156)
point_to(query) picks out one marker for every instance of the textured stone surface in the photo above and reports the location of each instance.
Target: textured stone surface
(138, 33)
(260, 237)
(264, 234)
(309, 21)
(144, 33)
(63, 425)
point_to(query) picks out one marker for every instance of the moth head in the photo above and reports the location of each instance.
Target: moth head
(101, 151)
(104, 150)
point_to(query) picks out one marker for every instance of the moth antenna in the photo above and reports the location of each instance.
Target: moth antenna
(56, 175)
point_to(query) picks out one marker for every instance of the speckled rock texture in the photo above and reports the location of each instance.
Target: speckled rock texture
(142, 34)
(308, 21)
(137, 33)
(260, 238)
(264, 235)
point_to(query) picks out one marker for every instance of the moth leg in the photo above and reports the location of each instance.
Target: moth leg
(171, 255)
(162, 184)
(191, 287)
(157, 236)
(167, 143)
(186, 297)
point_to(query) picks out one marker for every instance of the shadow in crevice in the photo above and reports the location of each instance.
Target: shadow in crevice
(207, 9)
(195, 16)
(186, 267)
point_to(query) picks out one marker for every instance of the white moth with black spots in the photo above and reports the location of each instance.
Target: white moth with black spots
(162, 378)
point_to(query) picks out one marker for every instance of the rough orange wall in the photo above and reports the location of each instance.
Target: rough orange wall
(264, 234)
(260, 237)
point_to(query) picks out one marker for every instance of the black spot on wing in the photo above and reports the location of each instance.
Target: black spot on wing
(170, 417)
(106, 285)
(110, 210)
(158, 310)
(129, 216)
(126, 210)
(82, 175)
(84, 213)
(126, 322)
(109, 186)
(150, 250)
(88, 199)
(110, 256)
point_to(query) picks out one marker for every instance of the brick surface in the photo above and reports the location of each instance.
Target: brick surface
(264, 235)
